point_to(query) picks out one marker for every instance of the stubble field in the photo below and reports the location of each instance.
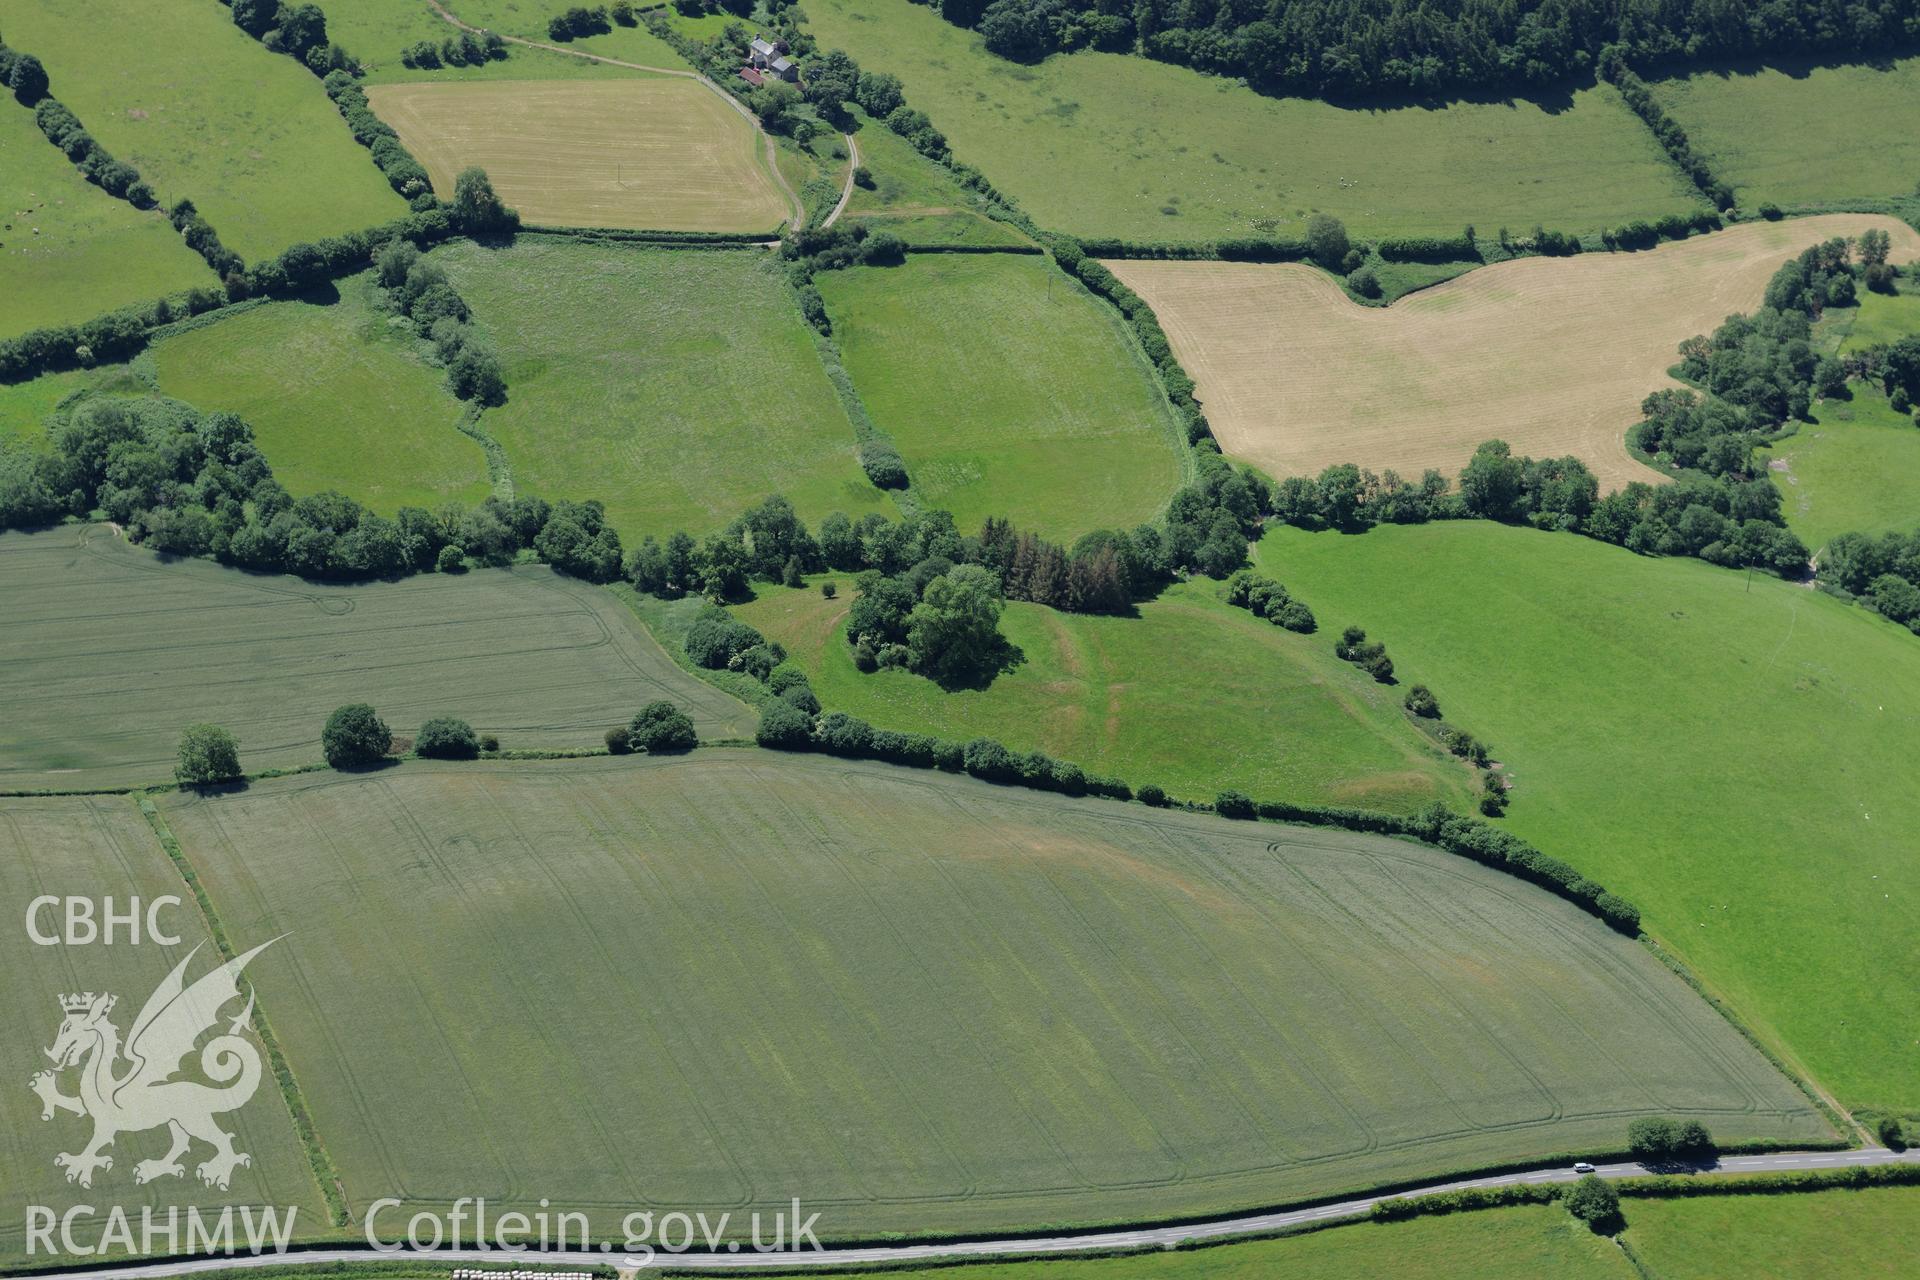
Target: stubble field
(920, 1002)
(109, 652)
(1552, 355)
(654, 152)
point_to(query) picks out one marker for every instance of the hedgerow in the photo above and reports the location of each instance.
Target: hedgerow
(837, 733)
(404, 174)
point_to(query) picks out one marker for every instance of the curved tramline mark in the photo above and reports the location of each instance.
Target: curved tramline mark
(796, 209)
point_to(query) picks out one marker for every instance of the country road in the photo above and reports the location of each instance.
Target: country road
(1078, 1243)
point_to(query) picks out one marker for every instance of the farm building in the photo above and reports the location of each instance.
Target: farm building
(769, 58)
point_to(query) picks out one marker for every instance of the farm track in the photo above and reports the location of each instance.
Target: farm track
(1092, 1242)
(846, 190)
(795, 208)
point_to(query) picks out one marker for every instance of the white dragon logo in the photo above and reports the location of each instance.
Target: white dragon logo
(145, 1095)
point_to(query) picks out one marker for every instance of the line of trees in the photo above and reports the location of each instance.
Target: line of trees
(404, 174)
(194, 484)
(24, 74)
(1430, 47)
(462, 49)
(1666, 130)
(297, 30)
(418, 289)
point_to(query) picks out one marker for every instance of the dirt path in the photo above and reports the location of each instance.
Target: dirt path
(796, 209)
(846, 191)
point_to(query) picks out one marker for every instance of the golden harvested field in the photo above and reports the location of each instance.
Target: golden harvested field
(1552, 355)
(662, 153)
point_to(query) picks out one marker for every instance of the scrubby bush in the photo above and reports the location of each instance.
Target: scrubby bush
(1233, 804)
(661, 728)
(445, 738)
(619, 740)
(1661, 1140)
(1421, 702)
(1594, 1201)
(1152, 794)
(355, 735)
(784, 727)
(208, 754)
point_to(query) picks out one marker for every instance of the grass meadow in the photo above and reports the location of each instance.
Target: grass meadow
(1296, 377)
(677, 387)
(1803, 135)
(1501, 1244)
(1880, 318)
(93, 847)
(1855, 468)
(205, 112)
(543, 661)
(916, 199)
(30, 410)
(68, 250)
(338, 397)
(1730, 754)
(655, 152)
(1010, 390)
(1193, 694)
(1112, 144)
(1873, 1235)
(377, 31)
(937, 1006)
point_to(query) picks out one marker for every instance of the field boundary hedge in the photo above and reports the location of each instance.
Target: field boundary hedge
(1027, 249)
(838, 734)
(1666, 130)
(1842, 1122)
(124, 332)
(319, 1162)
(1857, 1177)
(118, 178)
(679, 239)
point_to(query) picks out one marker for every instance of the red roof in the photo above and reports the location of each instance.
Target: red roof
(752, 76)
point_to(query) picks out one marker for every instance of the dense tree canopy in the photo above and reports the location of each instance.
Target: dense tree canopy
(1366, 47)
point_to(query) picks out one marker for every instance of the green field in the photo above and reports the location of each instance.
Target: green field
(677, 387)
(28, 410)
(1502, 1244)
(92, 847)
(1855, 468)
(376, 31)
(916, 199)
(109, 653)
(1732, 756)
(1112, 144)
(1803, 135)
(206, 113)
(1010, 390)
(1873, 1235)
(68, 250)
(339, 397)
(935, 1004)
(1193, 694)
(1881, 318)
